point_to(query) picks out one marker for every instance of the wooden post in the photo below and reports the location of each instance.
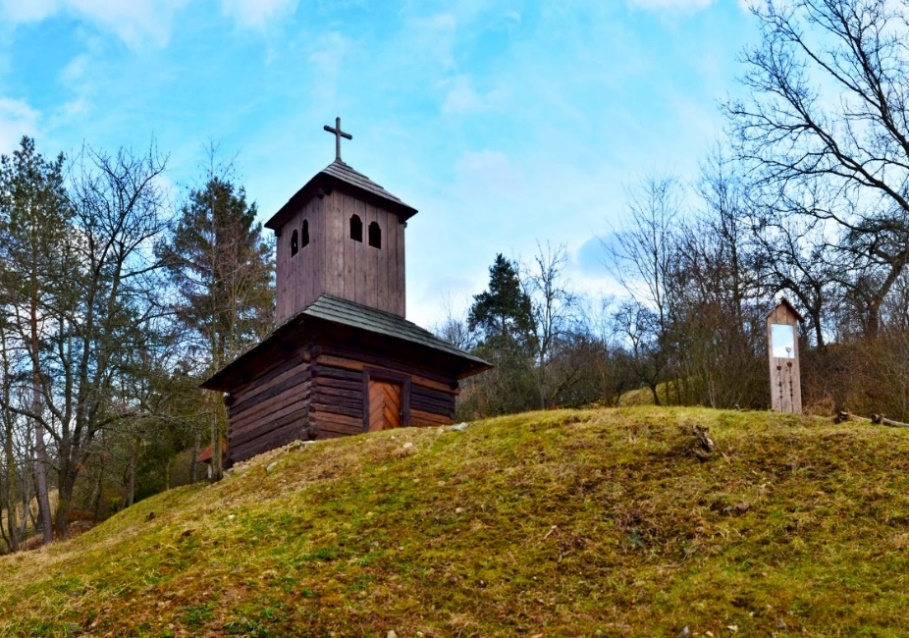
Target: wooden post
(783, 351)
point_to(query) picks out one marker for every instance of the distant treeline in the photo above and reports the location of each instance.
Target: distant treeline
(807, 197)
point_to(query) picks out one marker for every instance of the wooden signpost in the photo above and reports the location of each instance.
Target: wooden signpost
(783, 350)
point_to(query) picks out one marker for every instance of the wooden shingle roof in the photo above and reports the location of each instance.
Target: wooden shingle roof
(354, 315)
(342, 312)
(341, 176)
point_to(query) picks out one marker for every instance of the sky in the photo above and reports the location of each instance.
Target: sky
(508, 124)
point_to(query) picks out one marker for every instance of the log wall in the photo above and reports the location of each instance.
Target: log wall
(319, 391)
(339, 391)
(270, 410)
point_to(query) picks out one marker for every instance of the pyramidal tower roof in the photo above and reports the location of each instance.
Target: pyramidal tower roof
(340, 176)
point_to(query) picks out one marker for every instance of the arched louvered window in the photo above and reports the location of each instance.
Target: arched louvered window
(294, 243)
(356, 228)
(304, 239)
(375, 235)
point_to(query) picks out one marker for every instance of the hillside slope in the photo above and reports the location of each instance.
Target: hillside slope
(552, 524)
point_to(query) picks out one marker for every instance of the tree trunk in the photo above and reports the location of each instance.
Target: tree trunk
(66, 484)
(194, 465)
(131, 488)
(217, 464)
(4, 537)
(26, 511)
(653, 391)
(40, 448)
(11, 492)
(98, 490)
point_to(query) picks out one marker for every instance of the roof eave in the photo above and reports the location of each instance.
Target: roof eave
(785, 302)
(323, 184)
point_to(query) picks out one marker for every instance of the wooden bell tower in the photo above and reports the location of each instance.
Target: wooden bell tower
(343, 235)
(342, 358)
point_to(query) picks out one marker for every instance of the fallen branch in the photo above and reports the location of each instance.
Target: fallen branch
(880, 419)
(844, 416)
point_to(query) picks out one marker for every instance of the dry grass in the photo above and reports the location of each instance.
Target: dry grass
(554, 523)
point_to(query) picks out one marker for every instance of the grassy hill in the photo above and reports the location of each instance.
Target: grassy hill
(566, 523)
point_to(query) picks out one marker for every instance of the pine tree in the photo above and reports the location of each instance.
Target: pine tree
(223, 271)
(503, 315)
(35, 212)
(504, 311)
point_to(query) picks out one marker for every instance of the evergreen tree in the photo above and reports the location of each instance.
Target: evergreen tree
(223, 271)
(35, 213)
(504, 311)
(503, 315)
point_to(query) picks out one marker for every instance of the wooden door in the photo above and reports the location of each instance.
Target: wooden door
(385, 405)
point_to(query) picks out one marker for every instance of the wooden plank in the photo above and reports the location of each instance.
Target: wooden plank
(276, 410)
(334, 258)
(275, 380)
(339, 384)
(290, 382)
(419, 416)
(362, 293)
(350, 393)
(319, 417)
(284, 408)
(304, 259)
(266, 427)
(335, 372)
(385, 405)
(382, 263)
(335, 361)
(303, 391)
(372, 287)
(334, 431)
(269, 371)
(395, 285)
(392, 406)
(401, 272)
(310, 278)
(421, 403)
(347, 248)
(282, 436)
(433, 393)
(400, 356)
(339, 408)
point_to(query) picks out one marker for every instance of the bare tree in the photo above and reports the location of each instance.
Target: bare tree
(641, 257)
(553, 308)
(102, 296)
(824, 131)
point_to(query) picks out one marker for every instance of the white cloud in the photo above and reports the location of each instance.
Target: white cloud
(75, 71)
(430, 40)
(19, 11)
(326, 61)
(490, 175)
(257, 14)
(16, 119)
(671, 5)
(135, 22)
(463, 98)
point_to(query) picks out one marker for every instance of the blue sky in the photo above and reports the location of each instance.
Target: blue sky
(505, 122)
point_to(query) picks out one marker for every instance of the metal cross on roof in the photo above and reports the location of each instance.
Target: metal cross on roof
(338, 135)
